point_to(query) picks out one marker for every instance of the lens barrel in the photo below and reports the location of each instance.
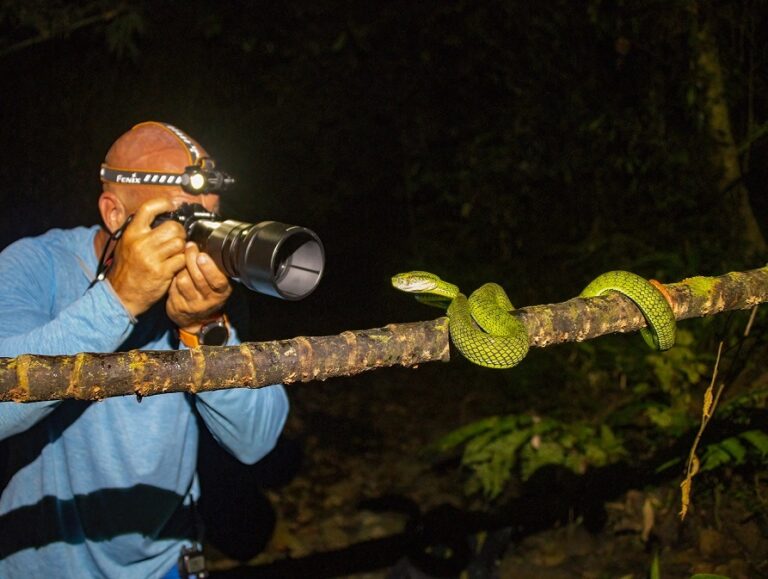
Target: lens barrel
(273, 258)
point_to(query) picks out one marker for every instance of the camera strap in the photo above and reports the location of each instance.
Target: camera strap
(192, 564)
(107, 254)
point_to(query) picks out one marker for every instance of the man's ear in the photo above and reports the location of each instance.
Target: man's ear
(113, 211)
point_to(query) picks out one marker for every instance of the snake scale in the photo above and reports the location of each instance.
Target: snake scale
(484, 332)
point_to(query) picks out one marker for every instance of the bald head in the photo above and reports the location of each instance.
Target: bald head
(153, 146)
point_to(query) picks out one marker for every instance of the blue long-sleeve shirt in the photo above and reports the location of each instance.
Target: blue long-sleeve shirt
(102, 489)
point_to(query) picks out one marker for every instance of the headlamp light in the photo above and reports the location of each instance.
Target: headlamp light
(196, 181)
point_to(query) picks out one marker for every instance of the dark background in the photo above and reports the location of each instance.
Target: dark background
(532, 145)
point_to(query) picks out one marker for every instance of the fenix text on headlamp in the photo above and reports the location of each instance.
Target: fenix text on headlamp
(196, 179)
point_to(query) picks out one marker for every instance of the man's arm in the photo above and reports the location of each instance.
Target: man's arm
(95, 322)
(146, 260)
(246, 422)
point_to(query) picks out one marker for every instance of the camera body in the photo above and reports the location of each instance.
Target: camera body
(272, 258)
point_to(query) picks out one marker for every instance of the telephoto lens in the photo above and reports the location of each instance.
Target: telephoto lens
(272, 258)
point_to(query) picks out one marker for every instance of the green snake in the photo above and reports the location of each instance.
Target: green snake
(484, 332)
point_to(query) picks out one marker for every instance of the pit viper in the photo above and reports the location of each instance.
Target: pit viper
(484, 332)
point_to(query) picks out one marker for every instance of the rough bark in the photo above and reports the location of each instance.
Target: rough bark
(584, 319)
(30, 378)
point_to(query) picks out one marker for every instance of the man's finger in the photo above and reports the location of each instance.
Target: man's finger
(167, 239)
(174, 265)
(184, 286)
(191, 254)
(147, 213)
(214, 277)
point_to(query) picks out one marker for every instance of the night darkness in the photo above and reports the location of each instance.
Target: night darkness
(532, 144)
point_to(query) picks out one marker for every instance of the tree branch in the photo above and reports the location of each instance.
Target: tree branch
(45, 35)
(31, 378)
(585, 319)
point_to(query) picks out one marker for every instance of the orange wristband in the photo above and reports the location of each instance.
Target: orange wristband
(213, 332)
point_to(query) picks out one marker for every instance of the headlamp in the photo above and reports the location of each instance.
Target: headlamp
(199, 177)
(196, 179)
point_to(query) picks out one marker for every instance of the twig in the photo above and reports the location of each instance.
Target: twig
(708, 410)
(43, 36)
(752, 316)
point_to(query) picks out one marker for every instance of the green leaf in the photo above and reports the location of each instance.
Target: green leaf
(340, 42)
(533, 459)
(464, 433)
(122, 32)
(714, 457)
(668, 464)
(733, 447)
(655, 567)
(661, 416)
(758, 439)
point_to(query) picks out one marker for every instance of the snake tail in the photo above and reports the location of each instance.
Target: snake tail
(658, 314)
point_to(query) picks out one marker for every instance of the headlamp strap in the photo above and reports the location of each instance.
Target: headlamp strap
(194, 152)
(198, 177)
(130, 177)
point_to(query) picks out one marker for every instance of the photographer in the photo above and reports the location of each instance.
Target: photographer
(108, 489)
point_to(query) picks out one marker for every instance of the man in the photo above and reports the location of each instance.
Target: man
(107, 489)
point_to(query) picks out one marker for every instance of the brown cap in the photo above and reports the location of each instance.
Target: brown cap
(154, 146)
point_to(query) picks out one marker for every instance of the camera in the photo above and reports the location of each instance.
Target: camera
(272, 258)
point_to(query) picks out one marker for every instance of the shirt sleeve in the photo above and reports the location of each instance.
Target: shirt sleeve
(95, 322)
(245, 421)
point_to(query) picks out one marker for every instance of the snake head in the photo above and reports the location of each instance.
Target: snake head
(415, 281)
(424, 283)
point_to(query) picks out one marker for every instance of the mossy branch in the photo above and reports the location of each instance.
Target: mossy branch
(584, 319)
(30, 378)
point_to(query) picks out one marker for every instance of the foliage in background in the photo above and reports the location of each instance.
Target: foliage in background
(625, 403)
(498, 447)
(611, 173)
(750, 445)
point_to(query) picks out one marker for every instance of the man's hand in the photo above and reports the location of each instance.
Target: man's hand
(197, 292)
(147, 259)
